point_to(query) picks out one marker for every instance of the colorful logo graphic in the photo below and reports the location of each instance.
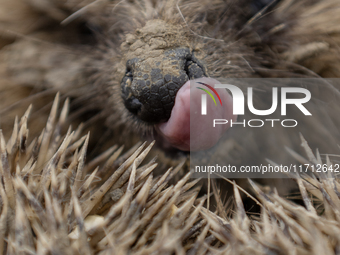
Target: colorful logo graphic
(212, 89)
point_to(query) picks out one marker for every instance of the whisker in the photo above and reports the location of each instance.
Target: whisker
(193, 32)
(257, 16)
(31, 38)
(248, 64)
(29, 99)
(76, 14)
(82, 10)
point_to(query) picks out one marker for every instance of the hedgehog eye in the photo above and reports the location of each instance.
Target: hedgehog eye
(193, 69)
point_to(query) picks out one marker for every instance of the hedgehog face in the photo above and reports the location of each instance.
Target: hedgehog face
(160, 65)
(162, 56)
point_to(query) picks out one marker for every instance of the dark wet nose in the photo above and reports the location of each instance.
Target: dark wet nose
(149, 86)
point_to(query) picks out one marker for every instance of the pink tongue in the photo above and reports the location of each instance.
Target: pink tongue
(189, 130)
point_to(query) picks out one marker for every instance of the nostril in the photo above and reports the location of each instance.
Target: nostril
(133, 105)
(193, 68)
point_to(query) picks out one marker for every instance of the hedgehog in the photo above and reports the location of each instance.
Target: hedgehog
(123, 65)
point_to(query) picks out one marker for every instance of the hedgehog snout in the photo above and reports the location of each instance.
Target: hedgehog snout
(150, 84)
